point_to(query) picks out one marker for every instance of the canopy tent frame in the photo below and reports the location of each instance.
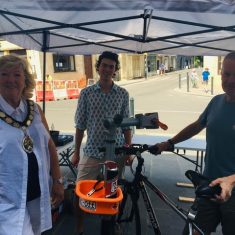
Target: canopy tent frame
(147, 18)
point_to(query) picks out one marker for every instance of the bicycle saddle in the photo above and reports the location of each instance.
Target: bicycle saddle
(201, 184)
(208, 192)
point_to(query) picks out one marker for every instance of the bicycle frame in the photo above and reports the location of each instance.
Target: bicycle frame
(139, 183)
(142, 121)
(189, 217)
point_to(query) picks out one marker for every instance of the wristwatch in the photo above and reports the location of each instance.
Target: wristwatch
(58, 181)
(171, 145)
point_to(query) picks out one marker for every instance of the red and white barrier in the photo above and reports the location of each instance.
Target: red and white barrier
(72, 89)
(49, 94)
(59, 90)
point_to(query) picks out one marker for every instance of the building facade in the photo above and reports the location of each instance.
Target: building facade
(75, 67)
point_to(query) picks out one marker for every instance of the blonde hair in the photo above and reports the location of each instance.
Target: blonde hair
(8, 61)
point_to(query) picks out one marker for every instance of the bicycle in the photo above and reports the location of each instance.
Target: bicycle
(138, 185)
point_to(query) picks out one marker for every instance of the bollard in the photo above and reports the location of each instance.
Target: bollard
(179, 81)
(187, 82)
(145, 66)
(212, 85)
(132, 112)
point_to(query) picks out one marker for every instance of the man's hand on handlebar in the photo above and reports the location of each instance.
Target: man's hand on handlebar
(160, 147)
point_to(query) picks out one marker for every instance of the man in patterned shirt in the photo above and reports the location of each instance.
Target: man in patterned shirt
(97, 102)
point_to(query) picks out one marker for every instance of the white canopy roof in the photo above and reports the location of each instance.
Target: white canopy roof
(183, 27)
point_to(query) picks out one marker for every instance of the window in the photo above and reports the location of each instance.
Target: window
(152, 63)
(63, 63)
(20, 52)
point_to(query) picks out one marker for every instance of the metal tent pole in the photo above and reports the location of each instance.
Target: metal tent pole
(46, 37)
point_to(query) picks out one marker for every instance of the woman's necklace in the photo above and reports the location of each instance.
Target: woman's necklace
(27, 142)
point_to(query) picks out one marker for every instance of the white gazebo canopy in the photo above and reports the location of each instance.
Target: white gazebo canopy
(185, 27)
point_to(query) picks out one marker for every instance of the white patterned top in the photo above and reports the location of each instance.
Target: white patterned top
(93, 108)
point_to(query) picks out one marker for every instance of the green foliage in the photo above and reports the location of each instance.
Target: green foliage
(198, 61)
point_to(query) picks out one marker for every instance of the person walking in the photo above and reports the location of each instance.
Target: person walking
(194, 78)
(102, 100)
(205, 79)
(219, 120)
(162, 69)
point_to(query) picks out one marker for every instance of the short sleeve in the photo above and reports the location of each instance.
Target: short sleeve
(81, 112)
(204, 116)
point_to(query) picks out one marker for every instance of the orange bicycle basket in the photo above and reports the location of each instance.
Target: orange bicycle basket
(96, 203)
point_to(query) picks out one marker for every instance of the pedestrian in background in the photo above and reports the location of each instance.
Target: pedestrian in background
(49, 77)
(194, 78)
(162, 69)
(205, 79)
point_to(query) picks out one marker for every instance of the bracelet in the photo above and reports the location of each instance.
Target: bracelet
(126, 145)
(172, 145)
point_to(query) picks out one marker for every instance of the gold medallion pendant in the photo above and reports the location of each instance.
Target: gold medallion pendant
(27, 144)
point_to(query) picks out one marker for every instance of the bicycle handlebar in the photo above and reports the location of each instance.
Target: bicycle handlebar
(133, 149)
(200, 182)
